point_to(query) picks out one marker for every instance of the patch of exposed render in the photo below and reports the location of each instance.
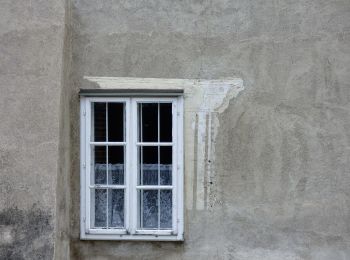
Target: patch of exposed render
(214, 96)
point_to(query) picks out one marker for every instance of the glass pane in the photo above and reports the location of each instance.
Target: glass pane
(148, 122)
(149, 165)
(165, 122)
(165, 165)
(116, 165)
(166, 209)
(100, 164)
(115, 122)
(149, 209)
(100, 208)
(116, 208)
(99, 112)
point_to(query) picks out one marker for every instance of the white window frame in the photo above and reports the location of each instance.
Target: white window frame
(131, 232)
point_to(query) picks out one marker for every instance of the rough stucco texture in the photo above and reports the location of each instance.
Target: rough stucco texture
(279, 179)
(31, 38)
(280, 184)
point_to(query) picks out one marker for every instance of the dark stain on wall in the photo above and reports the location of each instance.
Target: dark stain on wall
(26, 234)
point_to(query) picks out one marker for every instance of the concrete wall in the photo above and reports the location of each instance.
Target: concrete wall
(31, 50)
(277, 181)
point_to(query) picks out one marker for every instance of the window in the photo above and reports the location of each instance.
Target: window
(131, 167)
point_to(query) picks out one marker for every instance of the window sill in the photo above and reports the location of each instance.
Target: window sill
(138, 237)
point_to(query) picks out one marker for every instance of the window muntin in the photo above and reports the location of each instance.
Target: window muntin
(132, 191)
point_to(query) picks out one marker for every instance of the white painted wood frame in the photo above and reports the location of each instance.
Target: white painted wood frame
(131, 230)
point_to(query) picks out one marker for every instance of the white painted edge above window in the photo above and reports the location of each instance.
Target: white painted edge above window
(160, 83)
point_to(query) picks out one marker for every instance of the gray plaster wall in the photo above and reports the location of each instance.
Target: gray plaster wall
(31, 63)
(63, 198)
(280, 184)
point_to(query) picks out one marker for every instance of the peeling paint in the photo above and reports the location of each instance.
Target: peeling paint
(213, 97)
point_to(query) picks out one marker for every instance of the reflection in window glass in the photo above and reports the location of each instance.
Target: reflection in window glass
(100, 208)
(149, 165)
(165, 209)
(148, 122)
(99, 130)
(149, 209)
(165, 122)
(115, 208)
(165, 169)
(100, 164)
(115, 122)
(116, 165)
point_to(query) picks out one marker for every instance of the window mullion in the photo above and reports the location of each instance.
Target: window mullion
(89, 206)
(154, 187)
(139, 171)
(126, 119)
(107, 143)
(107, 165)
(179, 174)
(174, 166)
(154, 144)
(158, 199)
(133, 166)
(88, 127)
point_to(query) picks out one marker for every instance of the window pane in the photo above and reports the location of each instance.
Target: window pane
(116, 165)
(165, 122)
(165, 165)
(100, 164)
(166, 209)
(99, 122)
(148, 122)
(100, 208)
(149, 165)
(149, 209)
(115, 122)
(116, 208)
